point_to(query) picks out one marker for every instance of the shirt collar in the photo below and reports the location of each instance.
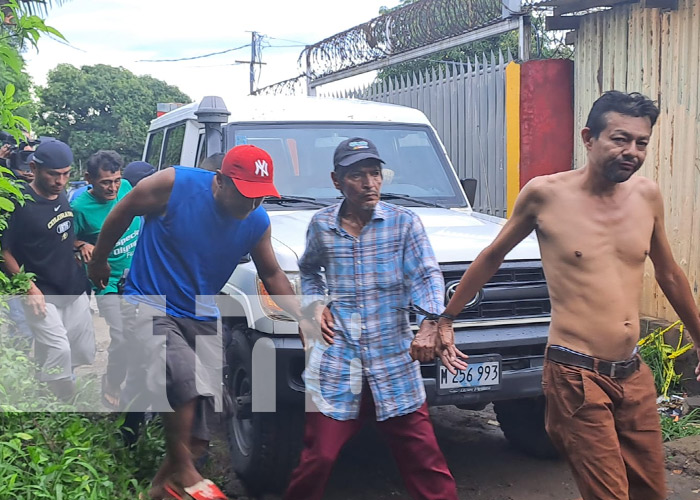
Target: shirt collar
(378, 214)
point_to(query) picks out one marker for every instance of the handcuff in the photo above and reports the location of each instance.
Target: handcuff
(428, 315)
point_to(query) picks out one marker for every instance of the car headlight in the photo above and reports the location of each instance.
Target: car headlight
(269, 306)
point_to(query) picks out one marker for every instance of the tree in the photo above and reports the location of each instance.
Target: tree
(101, 107)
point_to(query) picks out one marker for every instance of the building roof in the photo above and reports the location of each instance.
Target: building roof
(567, 13)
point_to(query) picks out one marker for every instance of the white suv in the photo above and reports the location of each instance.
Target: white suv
(506, 323)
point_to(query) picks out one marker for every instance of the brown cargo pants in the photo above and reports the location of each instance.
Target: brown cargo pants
(608, 430)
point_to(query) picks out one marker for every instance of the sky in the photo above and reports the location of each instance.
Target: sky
(126, 32)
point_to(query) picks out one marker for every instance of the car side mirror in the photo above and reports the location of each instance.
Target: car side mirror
(469, 186)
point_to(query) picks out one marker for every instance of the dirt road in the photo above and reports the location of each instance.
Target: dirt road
(480, 458)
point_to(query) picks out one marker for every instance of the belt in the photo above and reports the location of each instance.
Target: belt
(612, 369)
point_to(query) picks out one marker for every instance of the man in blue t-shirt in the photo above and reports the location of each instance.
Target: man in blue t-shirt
(198, 225)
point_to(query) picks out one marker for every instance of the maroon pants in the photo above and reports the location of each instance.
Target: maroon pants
(410, 437)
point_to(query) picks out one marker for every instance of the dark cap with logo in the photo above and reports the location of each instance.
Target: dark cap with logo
(350, 151)
(52, 154)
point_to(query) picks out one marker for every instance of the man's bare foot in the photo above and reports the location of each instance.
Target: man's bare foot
(168, 472)
(185, 476)
(157, 491)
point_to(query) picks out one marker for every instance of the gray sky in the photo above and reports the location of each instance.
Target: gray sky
(122, 32)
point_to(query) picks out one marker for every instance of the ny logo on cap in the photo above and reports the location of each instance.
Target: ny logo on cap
(261, 168)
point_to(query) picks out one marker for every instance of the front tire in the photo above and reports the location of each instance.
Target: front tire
(522, 423)
(264, 447)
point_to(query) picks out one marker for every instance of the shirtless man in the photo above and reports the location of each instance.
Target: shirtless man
(596, 226)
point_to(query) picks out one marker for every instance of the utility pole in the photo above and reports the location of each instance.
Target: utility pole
(255, 37)
(253, 50)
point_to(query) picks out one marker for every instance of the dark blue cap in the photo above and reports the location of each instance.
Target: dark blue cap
(137, 170)
(350, 151)
(52, 154)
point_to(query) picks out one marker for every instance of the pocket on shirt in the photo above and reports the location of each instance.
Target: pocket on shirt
(389, 274)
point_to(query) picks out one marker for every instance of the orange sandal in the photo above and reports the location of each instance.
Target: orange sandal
(203, 490)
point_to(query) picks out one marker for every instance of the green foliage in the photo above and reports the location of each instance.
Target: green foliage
(38, 6)
(688, 425)
(17, 30)
(22, 84)
(661, 359)
(57, 454)
(101, 107)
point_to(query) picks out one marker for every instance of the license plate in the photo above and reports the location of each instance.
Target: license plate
(482, 374)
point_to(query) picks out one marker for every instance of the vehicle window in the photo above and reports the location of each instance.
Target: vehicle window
(302, 155)
(201, 148)
(155, 141)
(174, 139)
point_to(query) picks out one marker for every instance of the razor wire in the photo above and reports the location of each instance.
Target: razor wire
(410, 27)
(292, 86)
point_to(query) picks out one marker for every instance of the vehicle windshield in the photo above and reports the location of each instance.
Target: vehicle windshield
(415, 167)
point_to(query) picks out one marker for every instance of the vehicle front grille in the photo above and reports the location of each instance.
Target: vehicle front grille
(517, 290)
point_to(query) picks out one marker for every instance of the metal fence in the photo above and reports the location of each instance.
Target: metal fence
(466, 105)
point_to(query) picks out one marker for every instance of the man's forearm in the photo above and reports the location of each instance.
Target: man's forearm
(279, 287)
(481, 270)
(115, 225)
(678, 292)
(10, 263)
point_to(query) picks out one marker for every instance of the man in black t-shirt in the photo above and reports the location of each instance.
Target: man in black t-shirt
(40, 237)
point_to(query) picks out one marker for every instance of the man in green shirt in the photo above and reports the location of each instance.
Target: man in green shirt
(90, 211)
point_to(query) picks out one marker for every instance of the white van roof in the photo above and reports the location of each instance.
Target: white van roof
(274, 109)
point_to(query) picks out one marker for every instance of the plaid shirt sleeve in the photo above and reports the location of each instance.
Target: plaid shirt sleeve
(422, 271)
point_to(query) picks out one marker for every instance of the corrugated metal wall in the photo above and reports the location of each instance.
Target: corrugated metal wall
(466, 105)
(657, 53)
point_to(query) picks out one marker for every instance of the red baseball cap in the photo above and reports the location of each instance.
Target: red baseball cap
(250, 168)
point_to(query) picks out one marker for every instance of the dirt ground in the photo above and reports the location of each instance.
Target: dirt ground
(483, 464)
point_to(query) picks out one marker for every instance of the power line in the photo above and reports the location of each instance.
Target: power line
(283, 46)
(290, 41)
(195, 57)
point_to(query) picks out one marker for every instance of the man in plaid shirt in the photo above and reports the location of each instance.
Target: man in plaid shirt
(376, 259)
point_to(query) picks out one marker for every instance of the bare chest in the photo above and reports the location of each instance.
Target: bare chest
(582, 232)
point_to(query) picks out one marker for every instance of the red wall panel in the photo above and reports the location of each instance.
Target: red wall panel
(546, 118)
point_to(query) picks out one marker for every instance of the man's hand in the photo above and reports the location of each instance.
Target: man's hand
(36, 301)
(321, 322)
(25, 175)
(697, 368)
(99, 272)
(423, 346)
(86, 251)
(451, 357)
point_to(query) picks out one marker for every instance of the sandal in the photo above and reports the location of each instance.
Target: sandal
(203, 490)
(110, 396)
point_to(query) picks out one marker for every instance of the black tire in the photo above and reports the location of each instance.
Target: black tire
(522, 423)
(264, 447)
